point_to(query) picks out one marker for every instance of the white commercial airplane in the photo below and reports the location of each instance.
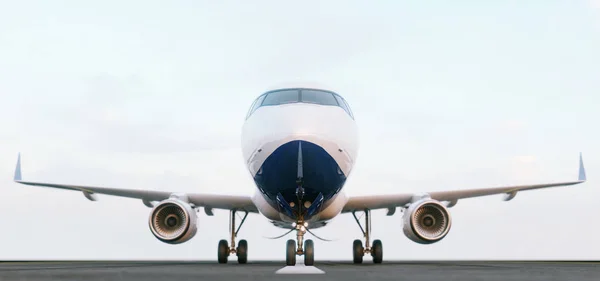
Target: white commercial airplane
(299, 145)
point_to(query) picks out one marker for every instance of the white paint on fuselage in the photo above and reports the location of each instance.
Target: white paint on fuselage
(329, 127)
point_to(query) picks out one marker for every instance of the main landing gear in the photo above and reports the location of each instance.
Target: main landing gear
(308, 250)
(358, 251)
(242, 249)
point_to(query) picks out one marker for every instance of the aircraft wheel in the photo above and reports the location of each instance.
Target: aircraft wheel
(223, 251)
(309, 253)
(377, 251)
(290, 253)
(242, 251)
(357, 251)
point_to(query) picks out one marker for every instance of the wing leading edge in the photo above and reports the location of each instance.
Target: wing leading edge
(359, 203)
(208, 201)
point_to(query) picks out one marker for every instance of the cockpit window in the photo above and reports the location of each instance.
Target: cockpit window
(281, 97)
(318, 97)
(344, 105)
(313, 96)
(255, 105)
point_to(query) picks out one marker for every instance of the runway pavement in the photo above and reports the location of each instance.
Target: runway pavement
(400, 270)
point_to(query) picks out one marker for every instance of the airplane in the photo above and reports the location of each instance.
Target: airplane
(300, 144)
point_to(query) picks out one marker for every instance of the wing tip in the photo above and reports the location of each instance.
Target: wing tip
(582, 177)
(18, 176)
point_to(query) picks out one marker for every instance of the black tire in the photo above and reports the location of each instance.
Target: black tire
(290, 253)
(223, 251)
(309, 253)
(377, 251)
(242, 251)
(357, 251)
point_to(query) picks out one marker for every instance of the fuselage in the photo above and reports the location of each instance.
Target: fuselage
(299, 137)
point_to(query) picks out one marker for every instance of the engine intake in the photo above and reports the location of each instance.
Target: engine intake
(173, 221)
(426, 221)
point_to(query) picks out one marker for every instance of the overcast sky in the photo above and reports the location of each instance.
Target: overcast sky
(153, 94)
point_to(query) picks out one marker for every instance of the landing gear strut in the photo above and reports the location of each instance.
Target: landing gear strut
(225, 250)
(300, 247)
(358, 251)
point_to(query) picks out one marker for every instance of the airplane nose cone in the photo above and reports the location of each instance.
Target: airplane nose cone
(329, 127)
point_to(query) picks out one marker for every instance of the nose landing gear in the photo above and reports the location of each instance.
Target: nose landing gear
(300, 247)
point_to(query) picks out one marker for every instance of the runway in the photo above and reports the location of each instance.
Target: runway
(400, 270)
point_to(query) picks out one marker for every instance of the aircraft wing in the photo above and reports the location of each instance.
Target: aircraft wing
(208, 201)
(451, 197)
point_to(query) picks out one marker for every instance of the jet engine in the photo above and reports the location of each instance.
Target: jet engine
(173, 221)
(426, 221)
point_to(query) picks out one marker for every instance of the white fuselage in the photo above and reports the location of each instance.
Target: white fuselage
(329, 127)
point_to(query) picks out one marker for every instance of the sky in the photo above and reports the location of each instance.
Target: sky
(153, 95)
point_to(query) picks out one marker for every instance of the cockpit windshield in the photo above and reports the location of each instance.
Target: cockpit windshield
(318, 97)
(281, 97)
(285, 96)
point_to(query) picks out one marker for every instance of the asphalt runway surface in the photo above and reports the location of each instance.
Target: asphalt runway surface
(400, 270)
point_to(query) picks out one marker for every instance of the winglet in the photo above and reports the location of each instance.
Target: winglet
(18, 169)
(582, 176)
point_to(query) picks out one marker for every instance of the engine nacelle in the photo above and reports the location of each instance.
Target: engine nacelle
(173, 221)
(426, 221)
